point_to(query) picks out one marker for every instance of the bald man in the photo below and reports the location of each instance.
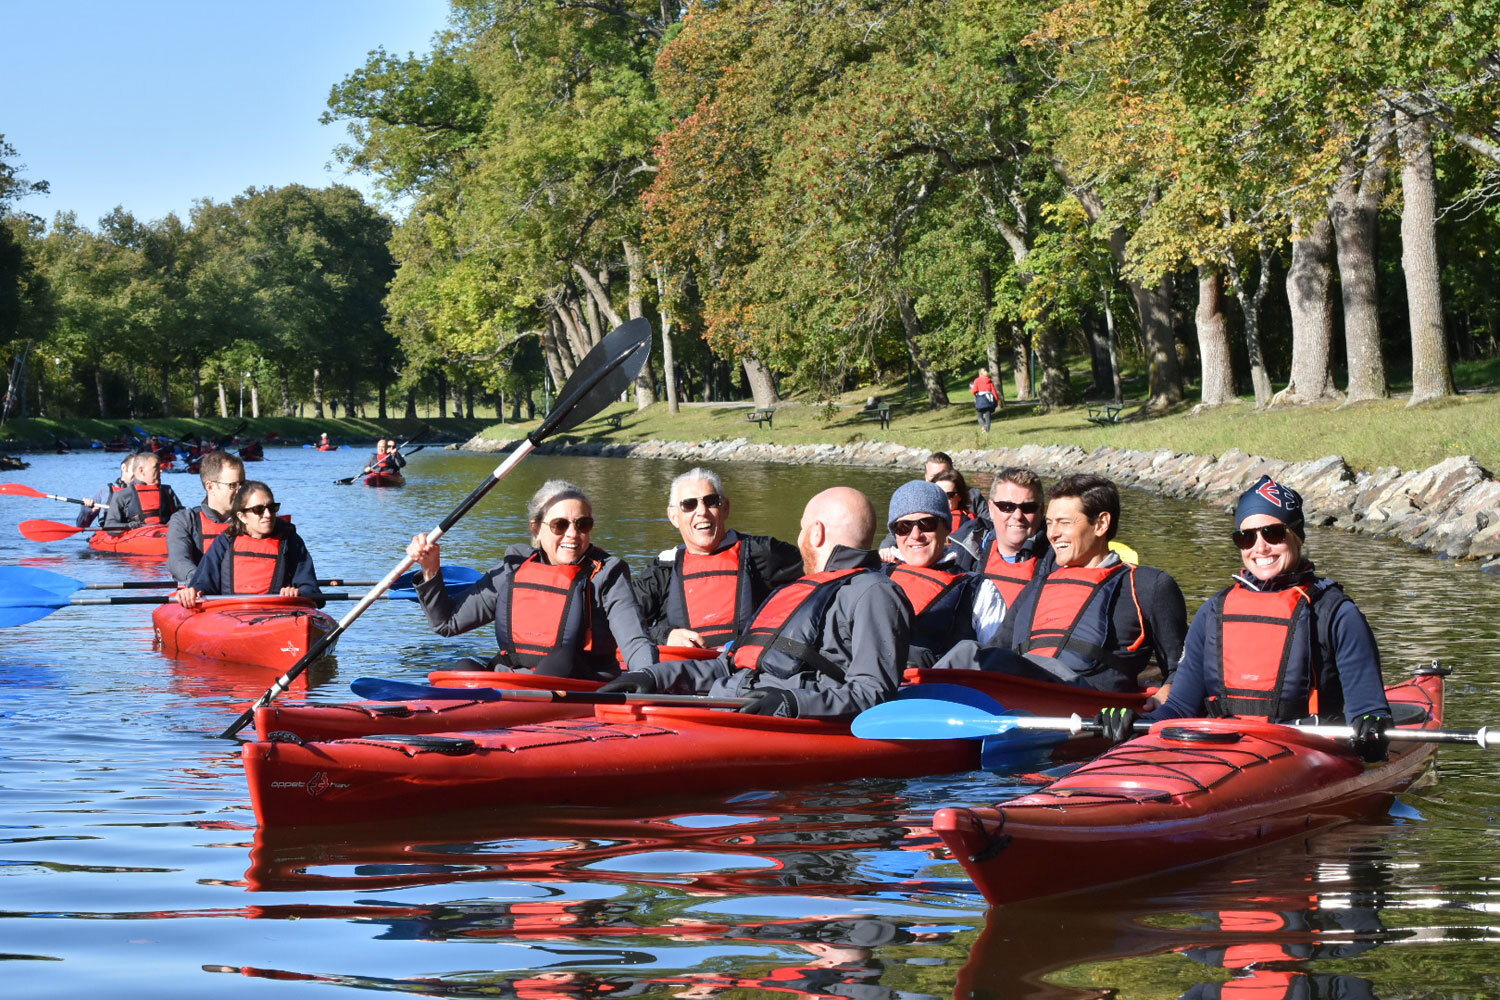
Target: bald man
(831, 643)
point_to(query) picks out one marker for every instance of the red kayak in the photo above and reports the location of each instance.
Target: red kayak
(385, 479)
(321, 721)
(621, 755)
(149, 540)
(1189, 791)
(265, 631)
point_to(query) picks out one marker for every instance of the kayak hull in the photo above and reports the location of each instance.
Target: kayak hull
(271, 632)
(1190, 791)
(321, 721)
(620, 755)
(385, 479)
(148, 540)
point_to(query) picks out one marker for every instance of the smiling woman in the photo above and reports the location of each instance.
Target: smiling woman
(931, 573)
(561, 606)
(256, 554)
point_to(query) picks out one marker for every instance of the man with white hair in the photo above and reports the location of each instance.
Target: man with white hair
(702, 592)
(831, 643)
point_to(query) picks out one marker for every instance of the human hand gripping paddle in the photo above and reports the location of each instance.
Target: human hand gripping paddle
(28, 594)
(914, 717)
(604, 373)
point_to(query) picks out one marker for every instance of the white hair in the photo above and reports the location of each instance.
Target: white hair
(689, 476)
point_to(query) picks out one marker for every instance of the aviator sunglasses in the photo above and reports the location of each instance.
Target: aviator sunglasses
(1274, 534)
(928, 524)
(559, 525)
(690, 504)
(1010, 506)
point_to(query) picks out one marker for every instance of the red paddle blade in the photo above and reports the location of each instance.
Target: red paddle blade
(17, 490)
(48, 531)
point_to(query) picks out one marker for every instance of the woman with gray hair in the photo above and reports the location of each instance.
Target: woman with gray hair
(560, 605)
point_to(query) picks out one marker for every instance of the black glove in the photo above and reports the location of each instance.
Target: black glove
(771, 701)
(1370, 740)
(632, 682)
(1116, 724)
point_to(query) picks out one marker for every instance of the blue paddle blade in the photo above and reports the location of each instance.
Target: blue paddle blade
(928, 719)
(380, 689)
(957, 693)
(39, 579)
(21, 605)
(456, 580)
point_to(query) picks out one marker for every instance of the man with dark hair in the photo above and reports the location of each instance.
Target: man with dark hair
(1094, 620)
(190, 532)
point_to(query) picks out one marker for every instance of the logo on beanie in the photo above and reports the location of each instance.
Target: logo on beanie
(1275, 493)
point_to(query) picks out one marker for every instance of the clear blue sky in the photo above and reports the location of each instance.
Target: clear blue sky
(153, 104)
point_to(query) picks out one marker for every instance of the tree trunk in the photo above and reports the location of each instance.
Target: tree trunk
(1213, 341)
(1307, 282)
(351, 393)
(911, 330)
(668, 355)
(598, 289)
(1250, 307)
(1051, 348)
(1116, 386)
(166, 385)
(382, 391)
(223, 399)
(1020, 349)
(99, 391)
(1354, 210)
(555, 350)
(254, 400)
(1431, 370)
(576, 341)
(456, 389)
(411, 403)
(197, 389)
(130, 388)
(1101, 369)
(762, 387)
(442, 393)
(286, 394)
(988, 335)
(635, 270)
(318, 393)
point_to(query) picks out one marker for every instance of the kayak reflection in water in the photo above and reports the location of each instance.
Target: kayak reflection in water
(257, 554)
(1280, 642)
(829, 644)
(561, 606)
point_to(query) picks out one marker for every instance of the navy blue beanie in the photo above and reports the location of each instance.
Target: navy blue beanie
(1268, 496)
(917, 497)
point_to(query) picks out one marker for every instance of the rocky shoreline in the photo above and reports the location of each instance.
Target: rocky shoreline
(1452, 508)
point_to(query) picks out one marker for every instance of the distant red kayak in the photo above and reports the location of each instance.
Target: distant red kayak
(268, 631)
(1189, 791)
(385, 479)
(150, 540)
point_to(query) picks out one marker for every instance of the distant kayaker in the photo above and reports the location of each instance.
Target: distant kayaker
(561, 606)
(257, 554)
(190, 532)
(1280, 642)
(386, 458)
(144, 501)
(702, 592)
(1094, 620)
(94, 505)
(932, 573)
(831, 643)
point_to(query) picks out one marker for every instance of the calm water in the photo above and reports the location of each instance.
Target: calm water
(131, 865)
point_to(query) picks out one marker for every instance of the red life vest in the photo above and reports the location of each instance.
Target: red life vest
(785, 638)
(1267, 650)
(208, 530)
(937, 597)
(1263, 984)
(255, 565)
(1010, 578)
(148, 503)
(1066, 616)
(710, 594)
(959, 518)
(540, 607)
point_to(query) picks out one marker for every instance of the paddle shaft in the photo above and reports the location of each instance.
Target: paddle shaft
(164, 585)
(1482, 736)
(526, 447)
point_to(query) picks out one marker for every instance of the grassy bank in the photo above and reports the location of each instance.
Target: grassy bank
(42, 433)
(1367, 435)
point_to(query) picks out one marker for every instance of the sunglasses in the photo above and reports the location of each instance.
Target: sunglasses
(233, 487)
(928, 524)
(559, 525)
(1010, 506)
(1274, 534)
(261, 509)
(712, 502)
